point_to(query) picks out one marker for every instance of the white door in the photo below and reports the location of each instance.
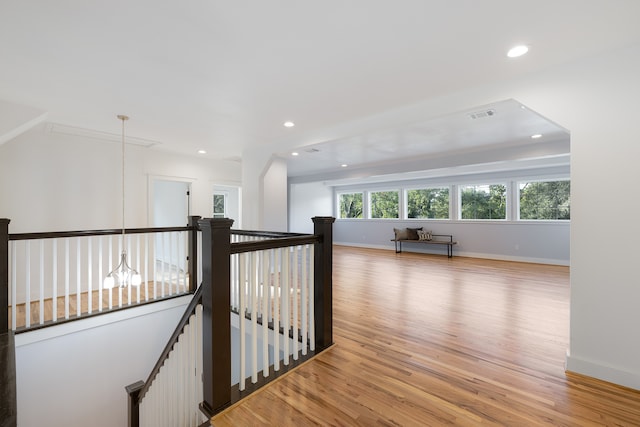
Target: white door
(170, 208)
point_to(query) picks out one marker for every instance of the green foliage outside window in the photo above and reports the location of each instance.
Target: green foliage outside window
(483, 201)
(545, 200)
(219, 208)
(350, 205)
(428, 203)
(385, 204)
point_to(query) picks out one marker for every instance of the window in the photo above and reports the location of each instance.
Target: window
(483, 201)
(219, 205)
(545, 200)
(385, 204)
(350, 205)
(428, 203)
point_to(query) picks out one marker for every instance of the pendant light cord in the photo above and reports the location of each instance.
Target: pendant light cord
(123, 118)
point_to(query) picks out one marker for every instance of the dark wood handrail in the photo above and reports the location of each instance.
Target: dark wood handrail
(261, 233)
(281, 242)
(84, 233)
(191, 308)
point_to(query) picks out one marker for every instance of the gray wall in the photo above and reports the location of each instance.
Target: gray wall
(515, 241)
(544, 242)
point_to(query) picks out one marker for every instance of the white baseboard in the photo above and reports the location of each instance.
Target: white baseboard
(602, 372)
(498, 257)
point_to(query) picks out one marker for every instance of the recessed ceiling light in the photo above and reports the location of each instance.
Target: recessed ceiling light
(344, 165)
(295, 153)
(516, 51)
(536, 136)
(202, 152)
(288, 124)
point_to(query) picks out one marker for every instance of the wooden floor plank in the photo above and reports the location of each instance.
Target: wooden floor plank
(423, 340)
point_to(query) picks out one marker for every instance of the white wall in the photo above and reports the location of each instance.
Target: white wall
(54, 182)
(306, 201)
(274, 196)
(75, 374)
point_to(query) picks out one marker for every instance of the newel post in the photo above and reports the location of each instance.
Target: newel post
(323, 282)
(193, 253)
(133, 405)
(4, 275)
(216, 318)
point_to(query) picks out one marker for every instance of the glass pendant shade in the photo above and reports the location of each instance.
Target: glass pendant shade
(122, 275)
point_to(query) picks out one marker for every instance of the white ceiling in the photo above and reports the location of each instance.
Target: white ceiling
(498, 126)
(224, 75)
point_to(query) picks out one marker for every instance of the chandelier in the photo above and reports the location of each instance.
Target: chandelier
(122, 275)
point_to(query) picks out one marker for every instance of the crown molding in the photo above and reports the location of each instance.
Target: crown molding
(60, 129)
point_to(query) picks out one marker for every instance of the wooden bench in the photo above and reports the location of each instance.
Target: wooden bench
(448, 242)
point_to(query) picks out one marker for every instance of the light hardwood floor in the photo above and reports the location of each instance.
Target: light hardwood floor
(116, 297)
(422, 340)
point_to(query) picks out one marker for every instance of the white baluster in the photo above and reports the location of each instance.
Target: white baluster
(89, 274)
(304, 286)
(110, 269)
(162, 268)
(172, 264)
(285, 305)
(14, 284)
(138, 267)
(127, 243)
(241, 321)
(54, 274)
(265, 310)
(146, 267)
(277, 279)
(121, 246)
(312, 327)
(78, 278)
(41, 302)
(294, 300)
(254, 277)
(27, 287)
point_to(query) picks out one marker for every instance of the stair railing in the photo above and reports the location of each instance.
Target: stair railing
(56, 277)
(284, 265)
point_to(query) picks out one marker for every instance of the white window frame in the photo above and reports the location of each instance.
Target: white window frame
(395, 190)
(507, 213)
(225, 195)
(427, 187)
(516, 195)
(364, 204)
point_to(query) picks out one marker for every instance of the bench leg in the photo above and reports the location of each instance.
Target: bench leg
(400, 244)
(449, 251)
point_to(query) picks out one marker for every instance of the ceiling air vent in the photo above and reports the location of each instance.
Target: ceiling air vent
(482, 114)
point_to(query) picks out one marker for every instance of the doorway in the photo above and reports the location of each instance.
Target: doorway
(170, 207)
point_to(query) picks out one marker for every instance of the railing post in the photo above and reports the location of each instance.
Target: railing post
(4, 275)
(323, 282)
(193, 253)
(133, 391)
(216, 318)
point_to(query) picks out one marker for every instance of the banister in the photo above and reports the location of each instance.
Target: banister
(260, 233)
(281, 242)
(84, 233)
